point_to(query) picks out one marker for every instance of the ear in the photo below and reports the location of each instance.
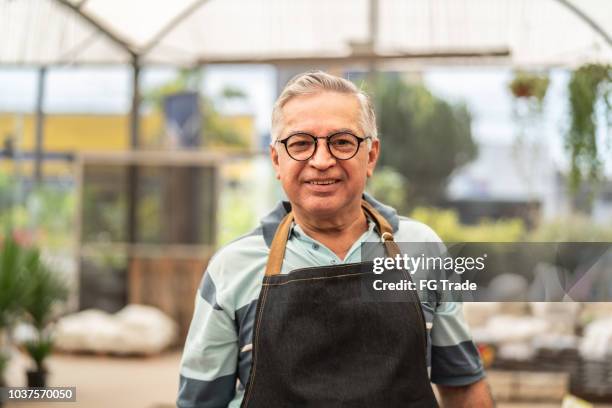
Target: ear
(274, 158)
(373, 156)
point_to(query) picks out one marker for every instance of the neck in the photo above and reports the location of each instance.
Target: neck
(338, 233)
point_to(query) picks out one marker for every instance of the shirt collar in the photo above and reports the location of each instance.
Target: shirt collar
(270, 222)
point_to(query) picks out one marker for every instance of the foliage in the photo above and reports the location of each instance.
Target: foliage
(44, 290)
(589, 88)
(3, 364)
(27, 286)
(187, 79)
(39, 350)
(215, 130)
(447, 225)
(218, 131)
(237, 215)
(46, 213)
(104, 215)
(527, 85)
(390, 187)
(230, 92)
(51, 212)
(528, 90)
(12, 280)
(423, 137)
(6, 191)
(576, 228)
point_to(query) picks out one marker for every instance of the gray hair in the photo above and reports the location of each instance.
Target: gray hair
(318, 81)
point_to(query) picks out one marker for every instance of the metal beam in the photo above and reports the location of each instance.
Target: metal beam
(40, 125)
(167, 29)
(132, 171)
(587, 19)
(373, 36)
(99, 26)
(135, 110)
(360, 58)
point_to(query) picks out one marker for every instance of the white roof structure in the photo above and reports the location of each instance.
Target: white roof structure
(190, 32)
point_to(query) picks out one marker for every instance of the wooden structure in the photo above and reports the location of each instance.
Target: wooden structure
(146, 229)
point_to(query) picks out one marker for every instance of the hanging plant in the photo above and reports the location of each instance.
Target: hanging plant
(589, 88)
(529, 86)
(529, 90)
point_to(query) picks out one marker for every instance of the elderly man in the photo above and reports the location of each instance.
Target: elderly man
(280, 320)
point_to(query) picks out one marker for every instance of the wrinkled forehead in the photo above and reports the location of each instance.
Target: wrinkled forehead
(321, 114)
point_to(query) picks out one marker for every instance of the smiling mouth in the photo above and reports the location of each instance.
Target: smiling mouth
(322, 182)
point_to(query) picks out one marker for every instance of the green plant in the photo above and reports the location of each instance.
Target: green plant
(217, 131)
(237, 214)
(527, 85)
(12, 282)
(45, 289)
(576, 228)
(51, 211)
(39, 350)
(447, 225)
(28, 286)
(589, 88)
(391, 187)
(423, 137)
(12, 290)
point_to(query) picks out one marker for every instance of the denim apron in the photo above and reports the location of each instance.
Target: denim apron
(317, 343)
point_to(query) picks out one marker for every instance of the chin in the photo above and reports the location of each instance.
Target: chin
(322, 207)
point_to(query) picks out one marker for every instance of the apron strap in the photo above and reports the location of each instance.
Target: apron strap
(279, 243)
(277, 249)
(386, 232)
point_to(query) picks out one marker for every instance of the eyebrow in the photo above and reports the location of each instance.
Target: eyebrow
(340, 130)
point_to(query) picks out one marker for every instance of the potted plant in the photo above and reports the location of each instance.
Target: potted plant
(45, 289)
(12, 284)
(39, 349)
(527, 85)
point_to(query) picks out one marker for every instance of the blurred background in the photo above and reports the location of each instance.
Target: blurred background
(134, 142)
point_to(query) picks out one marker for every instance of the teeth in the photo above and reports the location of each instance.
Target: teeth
(322, 182)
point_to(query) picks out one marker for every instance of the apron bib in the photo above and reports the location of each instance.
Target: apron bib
(317, 343)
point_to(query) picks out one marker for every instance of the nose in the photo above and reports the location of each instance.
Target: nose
(322, 159)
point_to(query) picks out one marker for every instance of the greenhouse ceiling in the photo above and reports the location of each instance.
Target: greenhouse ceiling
(535, 33)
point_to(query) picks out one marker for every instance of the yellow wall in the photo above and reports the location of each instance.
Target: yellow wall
(77, 132)
(80, 132)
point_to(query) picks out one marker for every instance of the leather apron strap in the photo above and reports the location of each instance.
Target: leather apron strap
(279, 243)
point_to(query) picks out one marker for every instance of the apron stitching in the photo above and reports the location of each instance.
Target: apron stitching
(420, 314)
(255, 347)
(338, 266)
(316, 278)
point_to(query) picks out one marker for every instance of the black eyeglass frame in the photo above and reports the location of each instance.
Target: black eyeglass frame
(327, 139)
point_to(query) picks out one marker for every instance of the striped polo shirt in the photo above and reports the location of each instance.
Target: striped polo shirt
(216, 360)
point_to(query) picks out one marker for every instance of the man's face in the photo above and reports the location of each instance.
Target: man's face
(320, 115)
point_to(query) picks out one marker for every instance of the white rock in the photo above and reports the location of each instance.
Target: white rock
(136, 329)
(597, 341)
(477, 314)
(144, 329)
(514, 329)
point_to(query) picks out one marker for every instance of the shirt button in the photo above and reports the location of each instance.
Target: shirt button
(315, 246)
(333, 261)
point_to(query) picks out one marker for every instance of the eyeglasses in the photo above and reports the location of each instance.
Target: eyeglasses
(303, 146)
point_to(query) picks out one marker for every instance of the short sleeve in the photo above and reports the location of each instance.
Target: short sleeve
(455, 360)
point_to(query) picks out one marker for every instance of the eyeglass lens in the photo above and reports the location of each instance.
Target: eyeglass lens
(302, 146)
